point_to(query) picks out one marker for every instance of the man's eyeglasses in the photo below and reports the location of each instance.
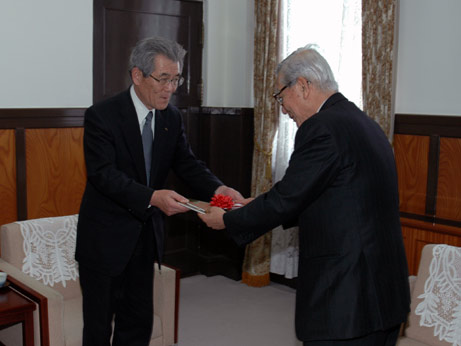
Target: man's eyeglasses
(277, 96)
(175, 82)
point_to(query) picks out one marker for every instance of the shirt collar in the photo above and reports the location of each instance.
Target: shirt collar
(141, 109)
(318, 110)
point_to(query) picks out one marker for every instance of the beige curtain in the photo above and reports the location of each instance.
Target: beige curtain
(378, 61)
(257, 254)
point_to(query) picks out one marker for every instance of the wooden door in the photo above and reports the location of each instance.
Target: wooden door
(119, 24)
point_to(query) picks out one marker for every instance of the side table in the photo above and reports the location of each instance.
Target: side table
(15, 308)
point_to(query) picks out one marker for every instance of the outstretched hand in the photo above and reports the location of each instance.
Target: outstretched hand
(232, 193)
(246, 201)
(167, 201)
(213, 218)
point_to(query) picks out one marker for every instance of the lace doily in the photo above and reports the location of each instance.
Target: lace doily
(285, 252)
(49, 247)
(441, 305)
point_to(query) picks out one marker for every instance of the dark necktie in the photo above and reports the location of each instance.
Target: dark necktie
(147, 142)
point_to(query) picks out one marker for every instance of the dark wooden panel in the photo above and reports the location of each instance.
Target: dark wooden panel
(225, 142)
(449, 180)
(119, 24)
(411, 155)
(223, 139)
(56, 173)
(8, 211)
(426, 125)
(41, 117)
(432, 174)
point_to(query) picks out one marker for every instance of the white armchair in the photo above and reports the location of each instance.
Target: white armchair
(38, 255)
(435, 316)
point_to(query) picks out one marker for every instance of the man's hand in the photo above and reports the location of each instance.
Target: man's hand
(213, 218)
(246, 201)
(167, 201)
(228, 191)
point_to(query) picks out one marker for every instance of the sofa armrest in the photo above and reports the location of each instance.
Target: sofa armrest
(50, 305)
(412, 281)
(166, 300)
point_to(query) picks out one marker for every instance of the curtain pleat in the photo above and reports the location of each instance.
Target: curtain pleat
(378, 61)
(257, 254)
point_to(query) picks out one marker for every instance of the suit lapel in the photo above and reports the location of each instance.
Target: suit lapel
(132, 134)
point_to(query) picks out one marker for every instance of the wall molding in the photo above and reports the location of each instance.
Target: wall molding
(426, 125)
(12, 118)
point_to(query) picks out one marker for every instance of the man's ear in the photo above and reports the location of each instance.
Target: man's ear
(136, 75)
(305, 86)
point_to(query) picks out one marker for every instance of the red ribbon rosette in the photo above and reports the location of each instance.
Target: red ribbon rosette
(221, 201)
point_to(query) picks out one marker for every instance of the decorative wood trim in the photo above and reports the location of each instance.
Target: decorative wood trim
(426, 125)
(430, 226)
(41, 117)
(432, 174)
(444, 224)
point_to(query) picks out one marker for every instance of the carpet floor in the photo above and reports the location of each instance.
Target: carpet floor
(217, 311)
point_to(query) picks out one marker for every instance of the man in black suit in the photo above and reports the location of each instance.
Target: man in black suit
(131, 141)
(341, 189)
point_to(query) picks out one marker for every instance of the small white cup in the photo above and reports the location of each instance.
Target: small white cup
(3, 277)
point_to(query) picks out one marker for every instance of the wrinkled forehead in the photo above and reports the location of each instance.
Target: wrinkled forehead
(165, 66)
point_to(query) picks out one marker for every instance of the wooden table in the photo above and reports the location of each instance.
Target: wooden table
(15, 308)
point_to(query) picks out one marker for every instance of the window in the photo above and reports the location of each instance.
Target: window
(335, 26)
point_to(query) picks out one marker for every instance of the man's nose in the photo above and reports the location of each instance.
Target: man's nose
(170, 87)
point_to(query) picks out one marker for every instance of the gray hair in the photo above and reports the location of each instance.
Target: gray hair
(144, 53)
(307, 62)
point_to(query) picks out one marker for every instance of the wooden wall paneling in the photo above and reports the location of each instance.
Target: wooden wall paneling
(16, 122)
(449, 180)
(428, 154)
(411, 155)
(417, 234)
(56, 173)
(8, 210)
